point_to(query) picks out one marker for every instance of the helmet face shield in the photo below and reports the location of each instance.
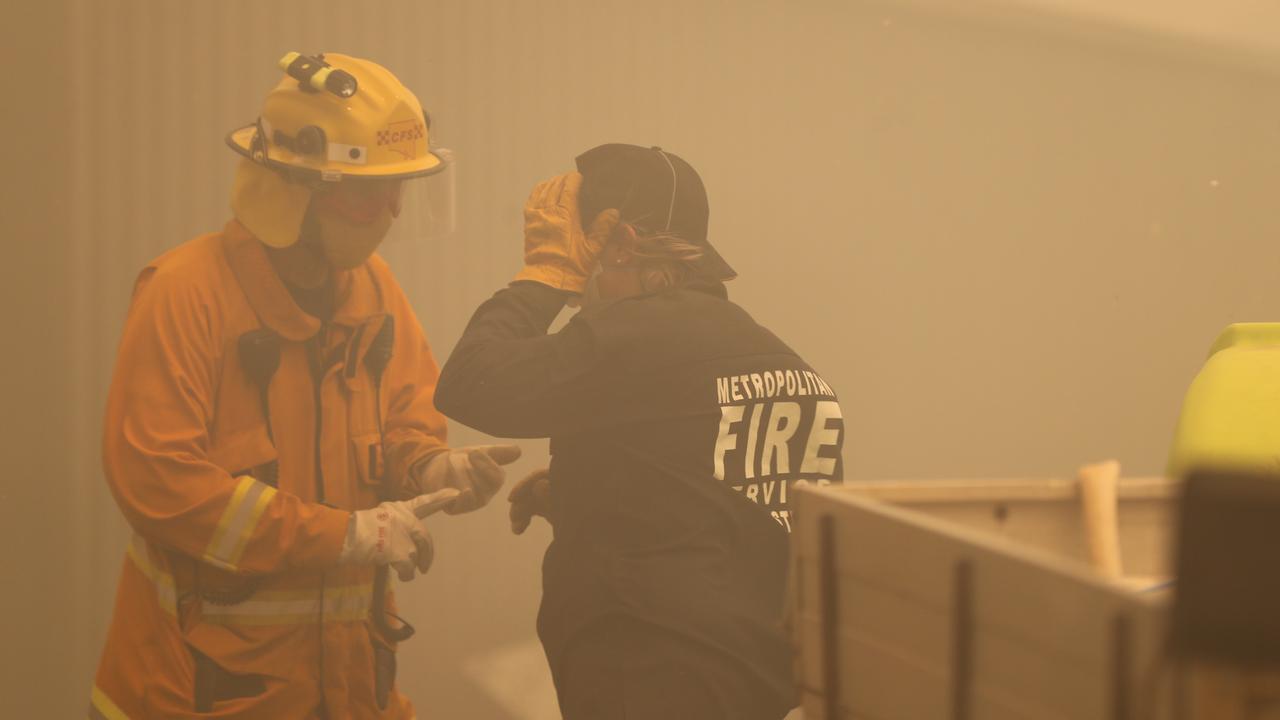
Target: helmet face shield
(360, 202)
(426, 205)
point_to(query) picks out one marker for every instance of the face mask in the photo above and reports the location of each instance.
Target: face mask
(351, 223)
(347, 244)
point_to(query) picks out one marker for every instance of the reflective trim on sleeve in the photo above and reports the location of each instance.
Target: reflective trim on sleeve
(238, 521)
(166, 594)
(344, 603)
(101, 707)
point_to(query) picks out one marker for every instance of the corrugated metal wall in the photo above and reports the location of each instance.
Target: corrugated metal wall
(1006, 248)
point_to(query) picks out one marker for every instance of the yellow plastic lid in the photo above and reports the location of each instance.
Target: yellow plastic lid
(1231, 415)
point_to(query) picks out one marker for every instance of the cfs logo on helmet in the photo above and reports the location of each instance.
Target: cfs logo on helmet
(401, 137)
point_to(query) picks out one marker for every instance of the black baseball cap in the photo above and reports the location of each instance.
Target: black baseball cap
(654, 190)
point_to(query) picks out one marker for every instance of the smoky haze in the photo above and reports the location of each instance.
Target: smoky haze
(1005, 238)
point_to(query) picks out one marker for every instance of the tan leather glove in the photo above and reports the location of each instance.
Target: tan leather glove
(531, 496)
(476, 472)
(557, 252)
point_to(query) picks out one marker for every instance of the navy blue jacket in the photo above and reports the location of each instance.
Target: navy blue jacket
(678, 425)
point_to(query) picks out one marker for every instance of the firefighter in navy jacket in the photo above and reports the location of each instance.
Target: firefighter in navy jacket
(678, 429)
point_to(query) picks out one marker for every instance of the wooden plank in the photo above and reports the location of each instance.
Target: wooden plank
(1043, 624)
(1044, 513)
(915, 492)
(878, 680)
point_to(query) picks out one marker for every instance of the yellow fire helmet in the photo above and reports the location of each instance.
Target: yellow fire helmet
(338, 119)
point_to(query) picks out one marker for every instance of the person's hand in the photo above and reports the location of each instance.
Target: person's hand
(394, 534)
(476, 472)
(531, 496)
(557, 251)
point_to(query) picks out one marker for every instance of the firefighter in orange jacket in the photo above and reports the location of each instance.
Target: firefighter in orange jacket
(270, 433)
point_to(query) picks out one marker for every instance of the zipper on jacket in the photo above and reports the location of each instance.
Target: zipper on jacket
(318, 371)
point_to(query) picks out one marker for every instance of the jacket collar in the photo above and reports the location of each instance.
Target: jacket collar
(715, 288)
(357, 296)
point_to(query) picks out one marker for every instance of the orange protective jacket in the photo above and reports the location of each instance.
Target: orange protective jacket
(230, 581)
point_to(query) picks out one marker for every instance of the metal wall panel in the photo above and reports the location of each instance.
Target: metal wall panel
(1006, 241)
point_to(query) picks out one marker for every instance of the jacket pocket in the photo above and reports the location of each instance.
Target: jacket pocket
(213, 684)
(367, 450)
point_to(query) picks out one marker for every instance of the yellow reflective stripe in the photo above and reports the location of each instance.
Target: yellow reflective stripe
(292, 607)
(237, 523)
(255, 512)
(99, 702)
(166, 593)
(228, 516)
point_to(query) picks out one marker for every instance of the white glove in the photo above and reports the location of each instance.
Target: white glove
(476, 472)
(393, 534)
